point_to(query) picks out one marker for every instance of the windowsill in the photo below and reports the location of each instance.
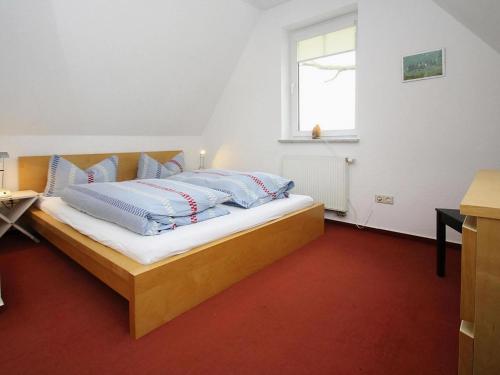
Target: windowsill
(346, 139)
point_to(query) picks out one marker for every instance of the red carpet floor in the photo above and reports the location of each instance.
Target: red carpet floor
(351, 302)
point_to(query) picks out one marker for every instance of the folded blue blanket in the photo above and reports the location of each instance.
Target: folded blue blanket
(147, 207)
(247, 189)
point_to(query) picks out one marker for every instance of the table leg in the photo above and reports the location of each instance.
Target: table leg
(1, 300)
(440, 245)
(25, 232)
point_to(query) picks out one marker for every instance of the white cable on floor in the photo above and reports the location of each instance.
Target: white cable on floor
(360, 226)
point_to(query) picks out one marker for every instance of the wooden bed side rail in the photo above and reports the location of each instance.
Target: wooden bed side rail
(184, 281)
(111, 267)
(161, 291)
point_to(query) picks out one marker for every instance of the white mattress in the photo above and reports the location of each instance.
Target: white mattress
(150, 249)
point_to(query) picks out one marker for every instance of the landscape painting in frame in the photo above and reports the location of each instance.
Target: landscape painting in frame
(423, 65)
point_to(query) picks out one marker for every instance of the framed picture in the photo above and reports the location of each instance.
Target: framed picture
(424, 65)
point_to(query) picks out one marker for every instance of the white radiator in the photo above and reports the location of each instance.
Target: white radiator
(325, 178)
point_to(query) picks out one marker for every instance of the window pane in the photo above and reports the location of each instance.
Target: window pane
(327, 92)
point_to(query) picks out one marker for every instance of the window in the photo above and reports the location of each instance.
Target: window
(323, 78)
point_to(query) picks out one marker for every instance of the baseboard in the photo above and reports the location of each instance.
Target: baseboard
(453, 245)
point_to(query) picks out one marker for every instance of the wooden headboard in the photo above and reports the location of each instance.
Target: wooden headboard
(33, 170)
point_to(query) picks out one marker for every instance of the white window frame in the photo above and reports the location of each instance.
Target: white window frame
(307, 32)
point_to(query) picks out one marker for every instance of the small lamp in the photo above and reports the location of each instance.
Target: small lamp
(202, 159)
(3, 192)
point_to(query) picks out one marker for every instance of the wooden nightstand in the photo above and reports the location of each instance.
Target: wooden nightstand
(13, 207)
(11, 210)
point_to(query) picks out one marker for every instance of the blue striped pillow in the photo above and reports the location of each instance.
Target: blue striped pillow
(151, 168)
(63, 173)
(247, 189)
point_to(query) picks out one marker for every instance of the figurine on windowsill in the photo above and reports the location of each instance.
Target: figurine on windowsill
(316, 132)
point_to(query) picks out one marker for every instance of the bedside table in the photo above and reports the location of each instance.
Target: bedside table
(13, 207)
(11, 210)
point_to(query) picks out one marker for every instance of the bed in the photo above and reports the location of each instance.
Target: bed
(162, 290)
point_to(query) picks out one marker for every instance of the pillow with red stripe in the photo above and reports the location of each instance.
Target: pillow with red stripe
(247, 189)
(151, 168)
(63, 173)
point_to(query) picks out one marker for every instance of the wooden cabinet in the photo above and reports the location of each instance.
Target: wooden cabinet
(466, 348)
(468, 277)
(479, 334)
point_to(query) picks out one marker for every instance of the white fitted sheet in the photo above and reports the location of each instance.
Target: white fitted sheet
(150, 249)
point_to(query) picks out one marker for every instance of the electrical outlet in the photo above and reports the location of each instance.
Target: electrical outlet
(384, 199)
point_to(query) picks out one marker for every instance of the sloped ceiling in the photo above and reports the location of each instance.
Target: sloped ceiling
(265, 4)
(482, 17)
(122, 67)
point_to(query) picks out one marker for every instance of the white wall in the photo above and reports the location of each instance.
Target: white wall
(47, 145)
(420, 141)
(123, 67)
(149, 73)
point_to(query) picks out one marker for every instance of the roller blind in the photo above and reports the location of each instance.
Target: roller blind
(339, 41)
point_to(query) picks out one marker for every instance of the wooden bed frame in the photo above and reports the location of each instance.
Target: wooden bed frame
(161, 291)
